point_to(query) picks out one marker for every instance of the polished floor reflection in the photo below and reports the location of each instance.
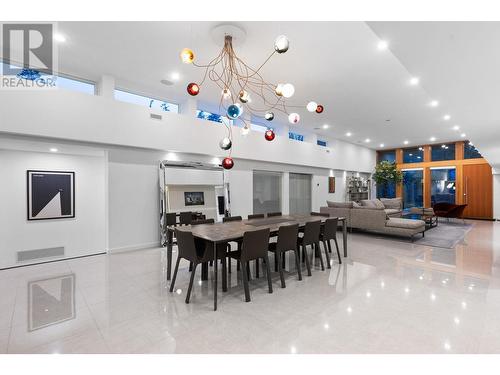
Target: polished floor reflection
(389, 296)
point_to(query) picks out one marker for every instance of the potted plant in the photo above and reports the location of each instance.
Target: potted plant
(386, 173)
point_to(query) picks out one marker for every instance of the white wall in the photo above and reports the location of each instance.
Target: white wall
(85, 234)
(496, 196)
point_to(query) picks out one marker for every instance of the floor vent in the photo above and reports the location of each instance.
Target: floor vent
(29, 255)
(154, 116)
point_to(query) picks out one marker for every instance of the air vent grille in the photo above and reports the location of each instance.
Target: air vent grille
(30, 255)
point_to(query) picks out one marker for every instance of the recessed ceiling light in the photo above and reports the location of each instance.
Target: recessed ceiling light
(432, 139)
(59, 38)
(53, 149)
(406, 142)
(326, 126)
(446, 117)
(414, 81)
(382, 45)
(382, 145)
(434, 103)
(463, 135)
(175, 76)
(456, 127)
(367, 140)
(348, 134)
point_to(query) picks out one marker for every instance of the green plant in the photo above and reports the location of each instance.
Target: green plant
(386, 173)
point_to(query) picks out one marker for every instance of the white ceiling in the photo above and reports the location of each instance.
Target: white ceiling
(336, 64)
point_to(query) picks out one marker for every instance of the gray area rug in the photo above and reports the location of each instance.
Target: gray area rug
(446, 235)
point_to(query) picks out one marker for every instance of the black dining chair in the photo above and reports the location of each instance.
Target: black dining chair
(171, 221)
(195, 252)
(255, 246)
(320, 214)
(330, 233)
(312, 231)
(186, 218)
(256, 216)
(203, 221)
(228, 219)
(287, 241)
(273, 214)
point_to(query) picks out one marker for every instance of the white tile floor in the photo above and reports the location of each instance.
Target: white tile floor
(389, 296)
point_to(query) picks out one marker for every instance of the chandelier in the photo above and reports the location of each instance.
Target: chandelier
(240, 85)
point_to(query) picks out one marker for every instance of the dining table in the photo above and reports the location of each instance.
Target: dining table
(223, 233)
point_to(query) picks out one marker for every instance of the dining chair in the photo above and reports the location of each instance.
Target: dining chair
(228, 219)
(320, 214)
(255, 246)
(203, 221)
(312, 231)
(287, 241)
(195, 252)
(272, 214)
(330, 233)
(185, 218)
(256, 216)
(171, 221)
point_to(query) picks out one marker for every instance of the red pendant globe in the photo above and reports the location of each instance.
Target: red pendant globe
(227, 163)
(269, 135)
(320, 108)
(193, 89)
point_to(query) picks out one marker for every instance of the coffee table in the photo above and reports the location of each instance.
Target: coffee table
(425, 214)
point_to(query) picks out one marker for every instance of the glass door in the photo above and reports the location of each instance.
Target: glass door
(443, 185)
(266, 192)
(413, 188)
(300, 193)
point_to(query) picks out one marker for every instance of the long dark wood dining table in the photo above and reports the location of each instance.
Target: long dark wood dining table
(233, 231)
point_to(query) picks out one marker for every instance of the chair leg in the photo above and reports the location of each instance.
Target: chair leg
(276, 259)
(318, 249)
(280, 269)
(308, 265)
(249, 274)
(257, 275)
(244, 276)
(238, 265)
(190, 266)
(172, 284)
(268, 270)
(327, 255)
(229, 264)
(337, 247)
(191, 280)
(297, 263)
(224, 275)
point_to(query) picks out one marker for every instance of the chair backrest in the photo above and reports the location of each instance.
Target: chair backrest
(311, 232)
(330, 228)
(170, 218)
(271, 214)
(185, 245)
(323, 214)
(255, 216)
(231, 218)
(185, 218)
(287, 237)
(203, 221)
(255, 244)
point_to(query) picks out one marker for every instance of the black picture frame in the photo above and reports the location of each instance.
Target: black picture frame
(194, 198)
(40, 194)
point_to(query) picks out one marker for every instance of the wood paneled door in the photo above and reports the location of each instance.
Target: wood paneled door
(478, 191)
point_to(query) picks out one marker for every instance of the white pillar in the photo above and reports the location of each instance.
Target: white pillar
(106, 87)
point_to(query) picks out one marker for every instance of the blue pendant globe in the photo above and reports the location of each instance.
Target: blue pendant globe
(234, 111)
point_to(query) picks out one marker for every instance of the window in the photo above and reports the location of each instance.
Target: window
(443, 185)
(443, 152)
(296, 136)
(387, 156)
(204, 115)
(470, 152)
(413, 188)
(128, 97)
(321, 143)
(266, 192)
(413, 155)
(386, 191)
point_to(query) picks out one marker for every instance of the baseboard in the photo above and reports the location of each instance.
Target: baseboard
(147, 245)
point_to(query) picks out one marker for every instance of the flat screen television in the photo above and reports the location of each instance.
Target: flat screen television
(194, 198)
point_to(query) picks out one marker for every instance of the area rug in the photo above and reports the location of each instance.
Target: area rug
(446, 235)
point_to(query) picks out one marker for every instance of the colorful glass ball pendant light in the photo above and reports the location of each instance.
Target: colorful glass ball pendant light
(320, 108)
(269, 116)
(234, 111)
(187, 56)
(293, 118)
(225, 143)
(244, 96)
(311, 106)
(269, 135)
(193, 89)
(281, 44)
(227, 163)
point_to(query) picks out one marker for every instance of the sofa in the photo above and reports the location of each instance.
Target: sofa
(375, 216)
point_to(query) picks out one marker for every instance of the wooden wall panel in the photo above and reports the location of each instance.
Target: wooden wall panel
(478, 190)
(427, 187)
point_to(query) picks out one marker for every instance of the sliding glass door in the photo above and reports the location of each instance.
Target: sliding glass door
(300, 193)
(413, 191)
(443, 183)
(266, 192)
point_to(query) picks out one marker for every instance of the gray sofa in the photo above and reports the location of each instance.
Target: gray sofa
(375, 217)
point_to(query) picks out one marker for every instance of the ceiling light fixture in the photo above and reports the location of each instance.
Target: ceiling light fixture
(446, 117)
(456, 127)
(326, 126)
(406, 142)
(434, 103)
(463, 135)
(367, 140)
(239, 82)
(59, 38)
(382, 145)
(53, 149)
(432, 139)
(175, 76)
(382, 45)
(348, 134)
(414, 81)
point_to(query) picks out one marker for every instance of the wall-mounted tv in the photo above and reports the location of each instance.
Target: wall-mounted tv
(196, 198)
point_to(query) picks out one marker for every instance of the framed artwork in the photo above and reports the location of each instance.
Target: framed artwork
(194, 198)
(51, 301)
(331, 185)
(51, 195)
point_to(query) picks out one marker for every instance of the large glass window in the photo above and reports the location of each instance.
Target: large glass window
(413, 188)
(386, 191)
(387, 156)
(413, 155)
(266, 192)
(145, 101)
(205, 115)
(296, 136)
(443, 152)
(471, 152)
(443, 185)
